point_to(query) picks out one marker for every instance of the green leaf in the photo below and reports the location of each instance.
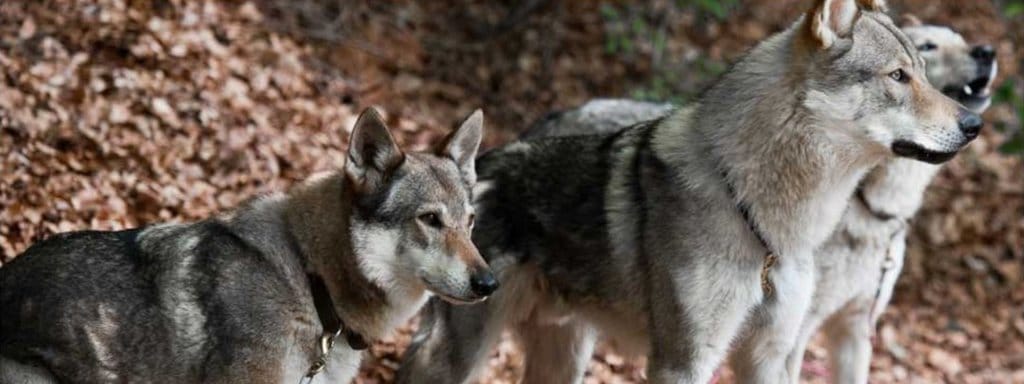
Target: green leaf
(659, 41)
(637, 94)
(711, 68)
(1014, 9)
(626, 43)
(610, 46)
(714, 7)
(639, 26)
(658, 85)
(1005, 93)
(609, 12)
(1013, 146)
(613, 34)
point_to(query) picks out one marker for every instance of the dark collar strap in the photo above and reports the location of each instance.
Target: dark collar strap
(745, 212)
(770, 257)
(884, 216)
(329, 317)
(324, 305)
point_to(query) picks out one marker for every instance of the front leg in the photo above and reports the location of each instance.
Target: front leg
(555, 353)
(764, 356)
(849, 345)
(695, 312)
(795, 358)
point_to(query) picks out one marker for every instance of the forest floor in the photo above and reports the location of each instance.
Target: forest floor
(117, 113)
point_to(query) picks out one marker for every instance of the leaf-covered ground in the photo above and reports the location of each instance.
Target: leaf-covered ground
(121, 113)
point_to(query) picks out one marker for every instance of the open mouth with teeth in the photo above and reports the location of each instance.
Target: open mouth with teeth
(976, 94)
(974, 91)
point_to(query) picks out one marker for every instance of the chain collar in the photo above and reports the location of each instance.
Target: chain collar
(770, 257)
(333, 327)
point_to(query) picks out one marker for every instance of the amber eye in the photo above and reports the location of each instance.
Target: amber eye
(432, 219)
(899, 75)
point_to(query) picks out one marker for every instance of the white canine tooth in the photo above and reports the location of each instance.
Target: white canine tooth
(967, 90)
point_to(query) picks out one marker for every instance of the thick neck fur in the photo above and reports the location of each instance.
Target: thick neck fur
(319, 215)
(793, 170)
(896, 188)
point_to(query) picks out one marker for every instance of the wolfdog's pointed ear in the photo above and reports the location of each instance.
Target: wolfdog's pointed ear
(831, 19)
(463, 144)
(372, 151)
(909, 20)
(873, 5)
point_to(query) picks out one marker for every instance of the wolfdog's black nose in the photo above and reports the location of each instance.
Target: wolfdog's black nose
(483, 283)
(983, 52)
(970, 123)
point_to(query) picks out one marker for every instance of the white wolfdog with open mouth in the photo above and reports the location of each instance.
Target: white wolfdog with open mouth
(669, 236)
(857, 268)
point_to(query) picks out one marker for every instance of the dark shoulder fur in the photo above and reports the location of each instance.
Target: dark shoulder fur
(546, 199)
(65, 301)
